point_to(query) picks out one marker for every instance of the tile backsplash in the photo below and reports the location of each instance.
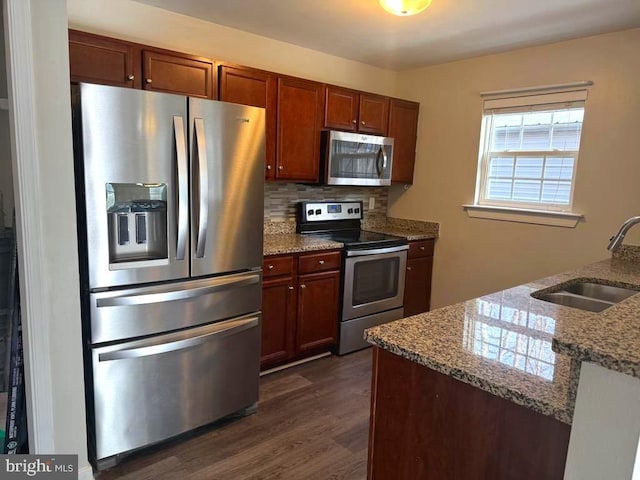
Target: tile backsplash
(280, 199)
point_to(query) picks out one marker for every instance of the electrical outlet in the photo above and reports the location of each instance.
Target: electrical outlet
(372, 203)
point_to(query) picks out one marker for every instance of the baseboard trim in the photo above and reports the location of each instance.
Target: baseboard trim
(85, 473)
(293, 364)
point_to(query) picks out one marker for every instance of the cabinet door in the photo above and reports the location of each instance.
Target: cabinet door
(299, 120)
(318, 297)
(177, 73)
(96, 59)
(374, 114)
(403, 128)
(341, 109)
(257, 89)
(417, 286)
(278, 321)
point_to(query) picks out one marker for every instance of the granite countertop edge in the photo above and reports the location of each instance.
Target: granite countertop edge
(519, 398)
(588, 354)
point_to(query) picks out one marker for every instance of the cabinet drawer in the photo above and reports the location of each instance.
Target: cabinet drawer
(421, 248)
(319, 262)
(276, 266)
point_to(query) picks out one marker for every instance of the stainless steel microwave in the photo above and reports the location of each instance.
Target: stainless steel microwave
(356, 159)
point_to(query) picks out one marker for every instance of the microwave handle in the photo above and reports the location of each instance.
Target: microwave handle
(379, 156)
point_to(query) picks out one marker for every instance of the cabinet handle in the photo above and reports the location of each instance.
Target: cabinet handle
(290, 287)
(321, 262)
(422, 248)
(130, 77)
(303, 286)
(148, 80)
(408, 268)
(270, 267)
(268, 167)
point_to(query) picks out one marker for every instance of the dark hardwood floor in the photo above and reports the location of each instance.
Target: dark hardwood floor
(312, 424)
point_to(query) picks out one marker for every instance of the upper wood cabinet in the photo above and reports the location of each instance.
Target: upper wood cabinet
(355, 111)
(256, 88)
(299, 121)
(97, 59)
(403, 128)
(177, 73)
(341, 109)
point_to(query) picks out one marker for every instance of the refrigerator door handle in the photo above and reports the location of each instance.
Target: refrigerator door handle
(183, 184)
(180, 340)
(203, 184)
(152, 295)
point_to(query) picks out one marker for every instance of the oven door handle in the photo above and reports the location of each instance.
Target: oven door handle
(376, 251)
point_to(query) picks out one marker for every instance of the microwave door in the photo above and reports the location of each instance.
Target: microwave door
(227, 190)
(131, 156)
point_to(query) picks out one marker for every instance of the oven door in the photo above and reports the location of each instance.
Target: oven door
(373, 281)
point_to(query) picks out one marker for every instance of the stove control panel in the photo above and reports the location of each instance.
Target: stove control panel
(323, 211)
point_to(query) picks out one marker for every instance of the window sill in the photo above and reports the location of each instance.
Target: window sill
(521, 215)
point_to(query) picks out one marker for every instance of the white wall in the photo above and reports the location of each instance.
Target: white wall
(43, 173)
(476, 256)
(606, 426)
(153, 26)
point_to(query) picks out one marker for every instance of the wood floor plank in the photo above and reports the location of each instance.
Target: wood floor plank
(312, 423)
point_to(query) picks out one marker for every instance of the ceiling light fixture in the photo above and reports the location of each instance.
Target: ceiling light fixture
(404, 8)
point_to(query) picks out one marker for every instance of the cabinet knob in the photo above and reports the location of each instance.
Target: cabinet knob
(354, 121)
(422, 248)
(270, 267)
(280, 167)
(268, 167)
(303, 286)
(130, 77)
(321, 262)
(290, 287)
(408, 268)
(148, 80)
(362, 122)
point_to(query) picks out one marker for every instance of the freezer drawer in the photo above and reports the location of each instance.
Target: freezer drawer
(134, 312)
(152, 389)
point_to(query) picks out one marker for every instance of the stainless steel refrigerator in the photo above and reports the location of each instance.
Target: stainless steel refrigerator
(170, 213)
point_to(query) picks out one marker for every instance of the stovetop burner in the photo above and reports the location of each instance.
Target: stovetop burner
(340, 222)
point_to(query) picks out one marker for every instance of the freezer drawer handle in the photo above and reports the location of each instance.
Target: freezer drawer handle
(203, 187)
(183, 187)
(170, 296)
(217, 331)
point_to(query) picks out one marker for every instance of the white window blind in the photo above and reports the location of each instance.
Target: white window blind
(529, 150)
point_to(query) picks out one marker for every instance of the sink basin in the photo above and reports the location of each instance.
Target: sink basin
(608, 293)
(590, 296)
(575, 301)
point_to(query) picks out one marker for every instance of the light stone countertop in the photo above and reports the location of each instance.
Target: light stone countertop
(277, 244)
(524, 349)
(280, 237)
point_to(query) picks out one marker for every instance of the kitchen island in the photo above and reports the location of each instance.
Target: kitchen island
(487, 388)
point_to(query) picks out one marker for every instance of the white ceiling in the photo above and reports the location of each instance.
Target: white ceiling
(448, 30)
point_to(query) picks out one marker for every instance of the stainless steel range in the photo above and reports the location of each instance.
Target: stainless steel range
(373, 271)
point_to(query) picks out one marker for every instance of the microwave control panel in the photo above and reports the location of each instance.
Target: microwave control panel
(323, 211)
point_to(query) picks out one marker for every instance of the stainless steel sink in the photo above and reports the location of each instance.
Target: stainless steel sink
(590, 296)
(575, 301)
(608, 293)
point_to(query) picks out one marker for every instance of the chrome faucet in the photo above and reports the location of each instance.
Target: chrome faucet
(616, 241)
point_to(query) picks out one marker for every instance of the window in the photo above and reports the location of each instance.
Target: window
(529, 151)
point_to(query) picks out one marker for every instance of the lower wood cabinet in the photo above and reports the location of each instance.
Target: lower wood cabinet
(417, 285)
(427, 425)
(299, 312)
